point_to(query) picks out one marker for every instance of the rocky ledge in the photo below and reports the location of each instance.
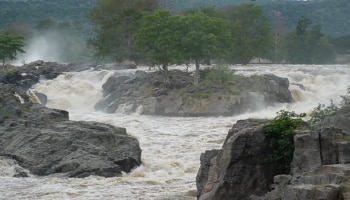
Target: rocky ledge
(320, 168)
(44, 141)
(26, 76)
(146, 93)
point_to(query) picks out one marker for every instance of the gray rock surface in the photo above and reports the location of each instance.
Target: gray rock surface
(44, 141)
(146, 93)
(320, 168)
(239, 169)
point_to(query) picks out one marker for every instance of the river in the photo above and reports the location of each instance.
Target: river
(171, 146)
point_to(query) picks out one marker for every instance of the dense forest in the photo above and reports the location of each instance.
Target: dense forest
(291, 31)
(332, 15)
(33, 11)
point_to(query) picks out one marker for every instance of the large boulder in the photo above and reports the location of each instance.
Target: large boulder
(240, 168)
(147, 94)
(44, 141)
(320, 168)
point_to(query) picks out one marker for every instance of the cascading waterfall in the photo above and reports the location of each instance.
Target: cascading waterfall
(171, 146)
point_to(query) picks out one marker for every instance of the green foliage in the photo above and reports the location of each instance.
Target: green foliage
(219, 74)
(323, 52)
(115, 22)
(330, 14)
(217, 77)
(345, 98)
(178, 38)
(341, 44)
(9, 46)
(156, 37)
(309, 46)
(203, 38)
(251, 31)
(31, 12)
(321, 112)
(280, 131)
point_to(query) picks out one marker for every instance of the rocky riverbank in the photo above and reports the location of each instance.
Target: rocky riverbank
(44, 141)
(319, 170)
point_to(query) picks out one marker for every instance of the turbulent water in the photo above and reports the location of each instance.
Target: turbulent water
(171, 145)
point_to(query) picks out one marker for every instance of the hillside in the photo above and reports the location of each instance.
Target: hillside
(33, 11)
(332, 15)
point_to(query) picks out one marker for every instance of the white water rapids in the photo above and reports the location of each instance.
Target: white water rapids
(171, 146)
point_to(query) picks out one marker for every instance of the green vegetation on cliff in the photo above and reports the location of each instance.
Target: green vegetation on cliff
(281, 133)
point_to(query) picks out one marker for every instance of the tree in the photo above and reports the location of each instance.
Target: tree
(115, 23)
(202, 38)
(279, 35)
(9, 46)
(251, 31)
(178, 38)
(324, 52)
(157, 38)
(308, 45)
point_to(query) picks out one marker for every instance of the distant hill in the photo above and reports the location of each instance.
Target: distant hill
(332, 15)
(33, 11)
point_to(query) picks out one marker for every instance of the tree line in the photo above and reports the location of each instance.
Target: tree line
(139, 31)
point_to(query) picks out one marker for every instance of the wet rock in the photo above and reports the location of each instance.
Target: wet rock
(180, 98)
(239, 169)
(24, 77)
(45, 142)
(320, 168)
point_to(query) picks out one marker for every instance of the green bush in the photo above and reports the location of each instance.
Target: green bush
(321, 112)
(280, 131)
(346, 98)
(220, 74)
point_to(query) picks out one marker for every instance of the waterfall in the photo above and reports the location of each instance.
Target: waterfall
(171, 146)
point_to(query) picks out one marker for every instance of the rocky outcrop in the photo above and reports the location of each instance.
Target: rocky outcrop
(239, 169)
(320, 168)
(147, 94)
(321, 162)
(44, 141)
(29, 74)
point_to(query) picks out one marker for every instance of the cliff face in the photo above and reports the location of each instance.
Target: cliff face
(319, 170)
(239, 168)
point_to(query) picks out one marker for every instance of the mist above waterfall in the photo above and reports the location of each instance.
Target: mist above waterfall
(54, 42)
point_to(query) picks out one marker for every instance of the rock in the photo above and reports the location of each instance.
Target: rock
(239, 169)
(307, 155)
(44, 141)
(181, 98)
(24, 77)
(320, 168)
(42, 98)
(321, 162)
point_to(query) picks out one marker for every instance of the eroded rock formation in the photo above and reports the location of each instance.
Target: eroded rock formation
(320, 168)
(44, 141)
(146, 93)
